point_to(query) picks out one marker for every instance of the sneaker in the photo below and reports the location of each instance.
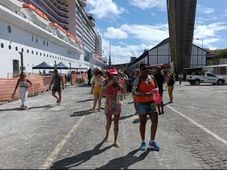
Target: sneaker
(154, 146)
(143, 146)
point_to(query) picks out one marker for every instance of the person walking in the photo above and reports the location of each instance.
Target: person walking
(180, 76)
(160, 79)
(89, 76)
(113, 90)
(143, 96)
(24, 84)
(58, 85)
(98, 90)
(135, 80)
(170, 85)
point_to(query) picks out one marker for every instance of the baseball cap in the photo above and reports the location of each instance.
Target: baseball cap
(112, 71)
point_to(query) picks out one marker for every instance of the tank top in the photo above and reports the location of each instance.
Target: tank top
(57, 81)
(98, 81)
(144, 87)
(23, 83)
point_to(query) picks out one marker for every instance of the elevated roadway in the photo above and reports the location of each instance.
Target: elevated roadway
(181, 19)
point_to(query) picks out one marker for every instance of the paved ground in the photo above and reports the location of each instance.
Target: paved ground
(192, 133)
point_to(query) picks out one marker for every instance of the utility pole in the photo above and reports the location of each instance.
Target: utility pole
(21, 60)
(70, 68)
(109, 54)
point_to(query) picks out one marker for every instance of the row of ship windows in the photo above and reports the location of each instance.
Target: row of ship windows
(37, 40)
(22, 50)
(33, 37)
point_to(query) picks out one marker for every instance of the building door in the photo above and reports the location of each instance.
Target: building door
(16, 69)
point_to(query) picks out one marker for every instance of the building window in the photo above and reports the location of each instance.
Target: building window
(10, 47)
(2, 45)
(16, 48)
(36, 39)
(36, 53)
(40, 54)
(27, 51)
(22, 50)
(32, 38)
(44, 42)
(9, 29)
(47, 55)
(47, 43)
(44, 54)
(32, 52)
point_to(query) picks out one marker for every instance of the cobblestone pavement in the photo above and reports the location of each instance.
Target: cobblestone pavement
(70, 135)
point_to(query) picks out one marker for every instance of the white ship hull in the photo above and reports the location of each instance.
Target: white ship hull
(37, 41)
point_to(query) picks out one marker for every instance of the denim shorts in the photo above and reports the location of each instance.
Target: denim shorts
(144, 108)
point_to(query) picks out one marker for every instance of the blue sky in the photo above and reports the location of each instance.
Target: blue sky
(134, 25)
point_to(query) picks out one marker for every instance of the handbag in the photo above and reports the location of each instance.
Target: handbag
(157, 98)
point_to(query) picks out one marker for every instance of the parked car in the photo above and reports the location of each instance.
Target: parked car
(204, 77)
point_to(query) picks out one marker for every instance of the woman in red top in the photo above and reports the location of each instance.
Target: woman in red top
(143, 96)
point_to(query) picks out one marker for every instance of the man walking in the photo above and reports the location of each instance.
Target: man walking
(89, 75)
(58, 84)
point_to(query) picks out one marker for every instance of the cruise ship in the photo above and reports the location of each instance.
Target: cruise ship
(51, 31)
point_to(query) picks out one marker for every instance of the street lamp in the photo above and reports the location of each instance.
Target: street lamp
(200, 40)
(202, 49)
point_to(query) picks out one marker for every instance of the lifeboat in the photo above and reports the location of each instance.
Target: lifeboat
(72, 38)
(35, 15)
(80, 44)
(61, 33)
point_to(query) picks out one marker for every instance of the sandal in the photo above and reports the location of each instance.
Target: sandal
(117, 145)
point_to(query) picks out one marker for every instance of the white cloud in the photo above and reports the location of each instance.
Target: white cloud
(148, 4)
(122, 53)
(210, 30)
(104, 8)
(225, 12)
(208, 34)
(147, 37)
(144, 33)
(205, 10)
(147, 33)
(113, 33)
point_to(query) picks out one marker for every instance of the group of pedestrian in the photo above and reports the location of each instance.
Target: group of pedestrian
(56, 86)
(113, 85)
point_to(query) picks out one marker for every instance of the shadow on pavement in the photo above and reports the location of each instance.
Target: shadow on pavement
(79, 159)
(29, 108)
(11, 109)
(125, 161)
(82, 113)
(87, 100)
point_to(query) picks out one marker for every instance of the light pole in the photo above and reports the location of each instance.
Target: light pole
(200, 40)
(202, 49)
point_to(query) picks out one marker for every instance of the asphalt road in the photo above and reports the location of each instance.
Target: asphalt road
(192, 133)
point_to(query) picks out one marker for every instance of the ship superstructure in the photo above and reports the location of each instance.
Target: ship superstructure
(52, 31)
